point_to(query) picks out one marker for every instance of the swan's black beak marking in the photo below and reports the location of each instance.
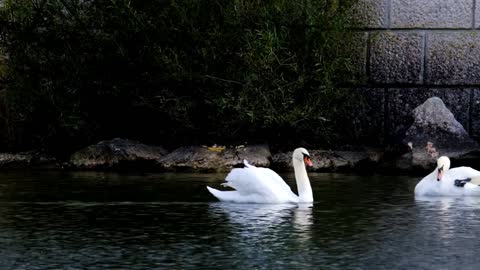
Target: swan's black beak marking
(440, 174)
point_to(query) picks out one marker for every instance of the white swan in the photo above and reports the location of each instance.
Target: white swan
(262, 185)
(443, 181)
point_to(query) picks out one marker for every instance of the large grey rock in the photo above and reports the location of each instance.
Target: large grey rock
(332, 161)
(401, 101)
(431, 13)
(369, 14)
(436, 132)
(453, 57)
(205, 159)
(117, 154)
(396, 57)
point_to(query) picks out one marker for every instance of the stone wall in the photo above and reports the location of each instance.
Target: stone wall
(410, 50)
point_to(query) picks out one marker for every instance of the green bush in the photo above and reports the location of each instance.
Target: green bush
(174, 72)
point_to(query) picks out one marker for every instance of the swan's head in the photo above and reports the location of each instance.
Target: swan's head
(302, 155)
(443, 164)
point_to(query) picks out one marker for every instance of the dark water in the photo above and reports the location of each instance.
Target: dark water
(169, 221)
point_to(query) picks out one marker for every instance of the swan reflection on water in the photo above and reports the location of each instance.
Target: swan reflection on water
(262, 220)
(447, 216)
(445, 202)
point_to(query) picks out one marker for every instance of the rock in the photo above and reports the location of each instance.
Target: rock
(332, 161)
(434, 133)
(282, 161)
(321, 160)
(117, 154)
(219, 159)
(30, 159)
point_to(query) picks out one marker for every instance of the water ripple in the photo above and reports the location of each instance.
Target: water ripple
(92, 221)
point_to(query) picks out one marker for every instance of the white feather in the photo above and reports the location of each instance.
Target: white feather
(260, 185)
(429, 186)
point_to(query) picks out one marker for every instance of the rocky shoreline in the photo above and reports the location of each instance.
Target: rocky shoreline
(434, 132)
(122, 155)
(128, 155)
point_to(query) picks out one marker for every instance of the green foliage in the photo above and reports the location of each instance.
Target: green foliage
(189, 71)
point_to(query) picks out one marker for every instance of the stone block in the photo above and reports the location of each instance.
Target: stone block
(475, 115)
(355, 49)
(453, 58)
(457, 101)
(371, 115)
(401, 102)
(367, 115)
(369, 14)
(431, 14)
(396, 57)
(477, 15)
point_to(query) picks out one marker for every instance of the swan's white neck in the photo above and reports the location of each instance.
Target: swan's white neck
(305, 194)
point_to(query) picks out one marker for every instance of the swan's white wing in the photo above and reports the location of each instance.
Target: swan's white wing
(255, 185)
(463, 173)
(428, 186)
(471, 188)
(271, 179)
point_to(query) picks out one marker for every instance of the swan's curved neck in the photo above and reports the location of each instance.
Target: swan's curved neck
(305, 193)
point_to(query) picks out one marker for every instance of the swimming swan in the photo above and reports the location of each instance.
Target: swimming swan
(443, 181)
(262, 185)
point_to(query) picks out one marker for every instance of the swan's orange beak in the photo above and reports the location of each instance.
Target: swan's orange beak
(308, 161)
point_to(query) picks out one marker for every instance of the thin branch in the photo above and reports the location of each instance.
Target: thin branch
(224, 80)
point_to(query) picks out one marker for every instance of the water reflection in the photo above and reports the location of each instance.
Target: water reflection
(266, 220)
(448, 221)
(448, 202)
(90, 221)
(448, 212)
(303, 222)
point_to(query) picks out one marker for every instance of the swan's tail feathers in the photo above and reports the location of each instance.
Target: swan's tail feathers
(475, 180)
(215, 192)
(226, 196)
